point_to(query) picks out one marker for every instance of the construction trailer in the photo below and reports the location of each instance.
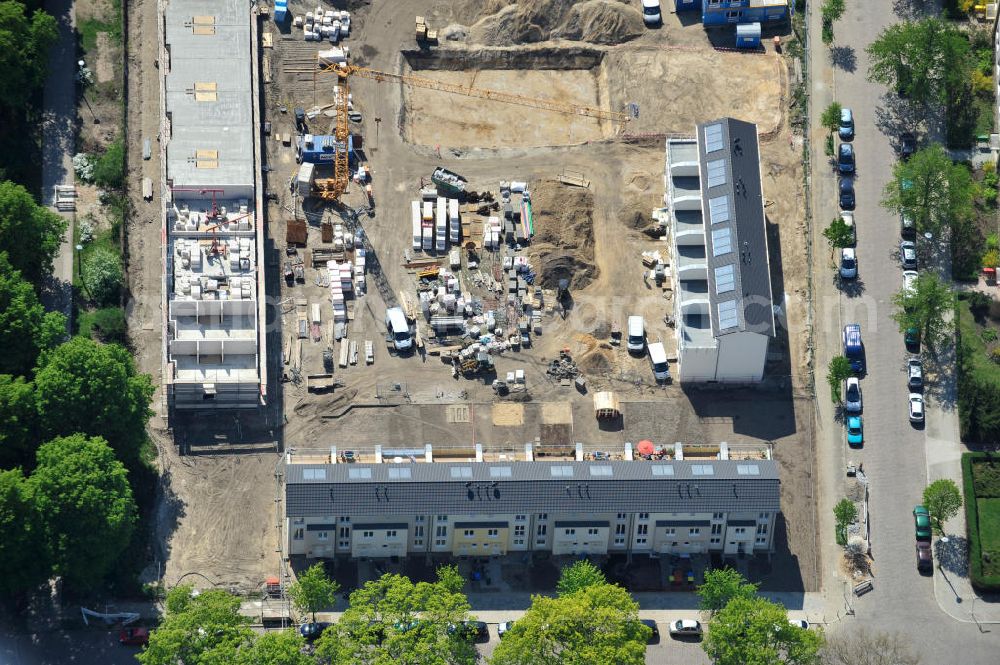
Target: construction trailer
(730, 12)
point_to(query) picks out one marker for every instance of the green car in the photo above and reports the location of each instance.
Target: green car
(912, 340)
(922, 523)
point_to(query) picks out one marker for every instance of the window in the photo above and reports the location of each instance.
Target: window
(543, 516)
(662, 470)
(716, 541)
(703, 470)
(716, 170)
(763, 517)
(367, 535)
(725, 279)
(739, 531)
(322, 535)
(762, 529)
(439, 542)
(541, 530)
(343, 543)
(313, 474)
(493, 533)
(345, 519)
(419, 519)
(621, 517)
(734, 16)
(298, 534)
(359, 473)
(299, 521)
(520, 518)
(619, 540)
(390, 534)
(640, 541)
(345, 532)
(713, 133)
(539, 541)
(418, 532)
(442, 518)
(474, 545)
(499, 472)
(468, 533)
(601, 470)
(644, 516)
(519, 541)
(716, 529)
(643, 529)
(569, 532)
(519, 530)
(761, 540)
(748, 469)
(694, 532)
(718, 209)
(591, 532)
(441, 532)
(399, 472)
(670, 531)
(619, 529)
(561, 471)
(418, 542)
(461, 471)
(717, 516)
(722, 241)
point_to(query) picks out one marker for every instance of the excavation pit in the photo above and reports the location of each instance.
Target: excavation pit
(574, 77)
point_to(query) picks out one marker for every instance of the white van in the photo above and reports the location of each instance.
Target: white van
(658, 359)
(651, 12)
(636, 334)
(399, 329)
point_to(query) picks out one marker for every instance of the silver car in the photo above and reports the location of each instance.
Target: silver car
(852, 399)
(908, 254)
(914, 374)
(916, 408)
(682, 627)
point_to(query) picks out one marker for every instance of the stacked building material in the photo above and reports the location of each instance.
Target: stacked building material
(441, 228)
(359, 270)
(454, 223)
(417, 226)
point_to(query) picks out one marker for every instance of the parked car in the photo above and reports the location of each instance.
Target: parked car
(845, 159)
(474, 631)
(133, 636)
(916, 408)
(854, 349)
(907, 228)
(925, 560)
(799, 623)
(914, 374)
(655, 635)
(848, 219)
(908, 254)
(686, 627)
(911, 338)
(651, 12)
(855, 431)
(907, 145)
(636, 328)
(921, 523)
(311, 631)
(503, 628)
(852, 396)
(848, 263)
(846, 129)
(910, 282)
(847, 194)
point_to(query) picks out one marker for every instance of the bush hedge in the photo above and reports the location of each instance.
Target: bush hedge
(981, 581)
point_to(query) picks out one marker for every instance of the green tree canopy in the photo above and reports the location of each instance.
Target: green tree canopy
(84, 501)
(95, 389)
(755, 631)
(721, 585)
(837, 372)
(839, 233)
(102, 276)
(313, 591)
(579, 575)
(924, 60)
(931, 189)
(597, 624)
(393, 620)
(943, 499)
(204, 628)
(23, 549)
(24, 57)
(18, 422)
(24, 324)
(831, 116)
(29, 233)
(282, 647)
(928, 308)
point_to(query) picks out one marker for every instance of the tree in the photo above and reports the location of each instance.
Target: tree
(24, 56)
(313, 591)
(839, 233)
(275, 648)
(923, 60)
(932, 190)
(24, 325)
(84, 501)
(18, 420)
(23, 553)
(597, 624)
(722, 585)
(928, 306)
(858, 646)
(943, 500)
(95, 389)
(204, 628)
(837, 372)
(102, 276)
(755, 631)
(578, 576)
(831, 116)
(831, 11)
(393, 620)
(109, 168)
(29, 233)
(845, 513)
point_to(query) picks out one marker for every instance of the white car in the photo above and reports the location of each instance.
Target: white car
(852, 398)
(683, 627)
(504, 627)
(848, 263)
(651, 12)
(916, 408)
(848, 218)
(910, 282)
(799, 623)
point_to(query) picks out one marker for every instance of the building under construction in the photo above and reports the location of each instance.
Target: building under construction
(213, 270)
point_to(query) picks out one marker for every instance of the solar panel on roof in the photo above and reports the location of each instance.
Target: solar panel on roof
(718, 208)
(713, 138)
(725, 279)
(716, 170)
(727, 315)
(722, 241)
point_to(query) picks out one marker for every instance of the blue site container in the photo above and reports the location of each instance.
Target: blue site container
(687, 5)
(323, 148)
(748, 35)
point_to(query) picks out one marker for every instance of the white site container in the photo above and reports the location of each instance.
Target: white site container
(518, 187)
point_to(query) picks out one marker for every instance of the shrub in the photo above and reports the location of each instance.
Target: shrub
(102, 276)
(109, 323)
(991, 258)
(982, 84)
(995, 356)
(982, 582)
(988, 335)
(109, 168)
(986, 477)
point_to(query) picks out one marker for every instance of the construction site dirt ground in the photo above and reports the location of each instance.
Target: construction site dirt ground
(218, 513)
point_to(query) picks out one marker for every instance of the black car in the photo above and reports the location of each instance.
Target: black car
(847, 194)
(474, 631)
(655, 635)
(311, 631)
(907, 145)
(845, 158)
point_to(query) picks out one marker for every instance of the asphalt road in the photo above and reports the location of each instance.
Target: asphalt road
(894, 455)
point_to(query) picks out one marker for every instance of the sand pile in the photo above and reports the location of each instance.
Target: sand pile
(563, 246)
(506, 22)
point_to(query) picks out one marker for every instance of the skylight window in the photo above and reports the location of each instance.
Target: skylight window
(748, 469)
(713, 138)
(727, 315)
(601, 470)
(400, 472)
(461, 471)
(499, 472)
(314, 474)
(725, 279)
(718, 208)
(722, 241)
(561, 471)
(662, 470)
(703, 470)
(359, 473)
(716, 172)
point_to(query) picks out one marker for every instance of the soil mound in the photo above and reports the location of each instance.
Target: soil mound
(503, 22)
(563, 246)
